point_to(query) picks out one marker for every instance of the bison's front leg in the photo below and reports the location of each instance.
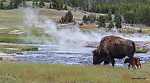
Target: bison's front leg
(100, 61)
(111, 59)
(106, 61)
(113, 62)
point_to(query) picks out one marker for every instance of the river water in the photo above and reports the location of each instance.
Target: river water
(73, 55)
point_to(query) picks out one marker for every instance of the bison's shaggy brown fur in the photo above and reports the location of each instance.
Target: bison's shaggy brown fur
(137, 62)
(113, 47)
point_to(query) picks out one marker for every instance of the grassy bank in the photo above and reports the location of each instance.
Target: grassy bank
(141, 50)
(11, 40)
(15, 48)
(54, 73)
(10, 17)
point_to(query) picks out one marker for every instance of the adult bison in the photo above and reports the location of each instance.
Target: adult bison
(114, 47)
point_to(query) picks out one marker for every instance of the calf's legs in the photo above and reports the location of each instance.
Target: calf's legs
(132, 62)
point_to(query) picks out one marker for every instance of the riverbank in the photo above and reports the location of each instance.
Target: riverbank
(9, 50)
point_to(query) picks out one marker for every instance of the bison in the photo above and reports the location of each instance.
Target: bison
(137, 62)
(114, 47)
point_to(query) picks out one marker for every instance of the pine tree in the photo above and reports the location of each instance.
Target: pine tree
(117, 16)
(41, 3)
(1, 5)
(60, 7)
(16, 3)
(84, 18)
(101, 21)
(92, 17)
(11, 5)
(33, 3)
(147, 16)
(68, 17)
(89, 18)
(50, 6)
(65, 8)
(109, 16)
(57, 4)
(118, 22)
(111, 25)
(24, 3)
(36, 2)
(62, 19)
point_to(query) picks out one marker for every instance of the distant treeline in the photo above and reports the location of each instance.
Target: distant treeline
(129, 11)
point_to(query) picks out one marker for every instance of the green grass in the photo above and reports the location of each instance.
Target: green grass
(10, 17)
(28, 48)
(146, 31)
(35, 31)
(14, 49)
(11, 40)
(19, 53)
(141, 50)
(55, 73)
(78, 20)
(1, 58)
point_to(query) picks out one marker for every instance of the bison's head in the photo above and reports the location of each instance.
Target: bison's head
(97, 57)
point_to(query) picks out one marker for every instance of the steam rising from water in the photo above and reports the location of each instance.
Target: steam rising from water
(70, 36)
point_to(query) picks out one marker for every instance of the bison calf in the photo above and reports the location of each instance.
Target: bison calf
(137, 62)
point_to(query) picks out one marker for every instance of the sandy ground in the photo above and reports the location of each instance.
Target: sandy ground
(11, 44)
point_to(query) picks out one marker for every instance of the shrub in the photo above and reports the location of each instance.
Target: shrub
(67, 18)
(1, 58)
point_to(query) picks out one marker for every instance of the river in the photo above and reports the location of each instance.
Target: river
(73, 55)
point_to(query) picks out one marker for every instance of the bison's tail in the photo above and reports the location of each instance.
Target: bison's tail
(134, 49)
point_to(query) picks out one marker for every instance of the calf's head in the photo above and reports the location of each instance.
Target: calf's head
(126, 60)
